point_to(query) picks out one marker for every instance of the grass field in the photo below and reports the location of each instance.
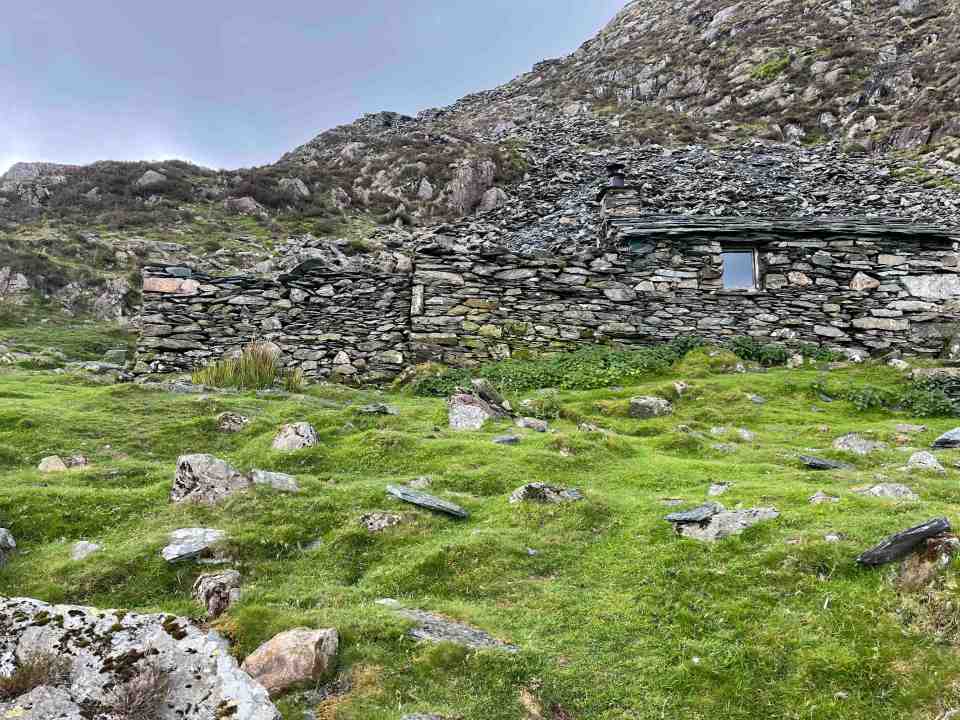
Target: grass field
(616, 617)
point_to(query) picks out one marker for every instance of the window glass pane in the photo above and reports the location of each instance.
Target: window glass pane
(738, 270)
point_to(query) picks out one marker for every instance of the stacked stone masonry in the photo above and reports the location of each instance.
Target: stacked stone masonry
(871, 285)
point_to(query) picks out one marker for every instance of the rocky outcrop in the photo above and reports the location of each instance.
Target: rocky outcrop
(206, 480)
(295, 436)
(107, 649)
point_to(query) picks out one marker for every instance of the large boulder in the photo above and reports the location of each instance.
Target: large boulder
(278, 481)
(295, 436)
(292, 658)
(202, 680)
(858, 445)
(244, 206)
(948, 440)
(151, 179)
(206, 480)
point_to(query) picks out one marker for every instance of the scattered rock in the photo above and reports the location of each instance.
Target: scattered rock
(649, 407)
(191, 543)
(820, 497)
(203, 679)
(278, 481)
(948, 441)
(7, 545)
(437, 629)
(296, 436)
(83, 549)
(815, 463)
(378, 409)
(292, 658)
(712, 522)
(920, 569)
(858, 445)
(680, 388)
(507, 440)
(911, 429)
(468, 412)
(217, 592)
(540, 426)
(833, 537)
(206, 480)
(542, 493)
(52, 464)
(898, 364)
(756, 399)
(903, 543)
(421, 483)
(890, 491)
(925, 461)
(718, 489)
(671, 502)
(230, 422)
(427, 501)
(378, 522)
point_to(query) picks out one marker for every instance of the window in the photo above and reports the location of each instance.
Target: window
(739, 268)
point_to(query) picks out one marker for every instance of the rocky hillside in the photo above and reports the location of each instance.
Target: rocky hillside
(720, 108)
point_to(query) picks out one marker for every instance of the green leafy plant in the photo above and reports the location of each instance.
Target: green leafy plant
(749, 348)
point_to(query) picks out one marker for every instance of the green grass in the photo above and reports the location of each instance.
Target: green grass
(771, 69)
(616, 617)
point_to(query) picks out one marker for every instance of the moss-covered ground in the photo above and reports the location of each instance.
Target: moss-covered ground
(616, 617)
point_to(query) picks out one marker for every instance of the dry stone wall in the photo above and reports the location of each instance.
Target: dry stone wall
(843, 285)
(344, 324)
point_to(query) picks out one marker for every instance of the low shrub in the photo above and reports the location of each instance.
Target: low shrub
(920, 399)
(750, 349)
(256, 368)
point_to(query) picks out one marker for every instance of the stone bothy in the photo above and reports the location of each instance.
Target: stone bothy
(865, 283)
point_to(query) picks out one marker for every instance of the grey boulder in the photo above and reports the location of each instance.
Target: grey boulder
(948, 440)
(231, 422)
(191, 543)
(296, 436)
(925, 462)
(467, 412)
(712, 522)
(206, 480)
(7, 545)
(217, 592)
(83, 549)
(278, 481)
(858, 445)
(649, 407)
(542, 493)
(890, 491)
(204, 681)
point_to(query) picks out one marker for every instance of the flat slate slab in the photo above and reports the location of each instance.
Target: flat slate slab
(897, 547)
(438, 629)
(191, 543)
(427, 501)
(948, 440)
(815, 463)
(697, 515)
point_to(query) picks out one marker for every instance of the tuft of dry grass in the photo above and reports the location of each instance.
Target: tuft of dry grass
(142, 697)
(33, 671)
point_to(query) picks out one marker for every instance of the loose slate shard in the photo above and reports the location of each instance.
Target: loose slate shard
(948, 441)
(815, 463)
(902, 544)
(427, 501)
(697, 515)
(437, 629)
(542, 493)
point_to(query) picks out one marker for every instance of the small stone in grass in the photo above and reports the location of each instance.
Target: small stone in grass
(821, 497)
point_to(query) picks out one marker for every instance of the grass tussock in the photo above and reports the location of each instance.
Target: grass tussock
(144, 695)
(34, 671)
(257, 367)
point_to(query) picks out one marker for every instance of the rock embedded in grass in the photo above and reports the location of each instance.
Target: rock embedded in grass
(216, 592)
(83, 549)
(858, 445)
(378, 522)
(7, 545)
(280, 482)
(718, 489)
(296, 436)
(52, 464)
(378, 409)
(821, 498)
(467, 412)
(437, 629)
(890, 491)
(292, 658)
(925, 462)
(202, 678)
(540, 426)
(191, 543)
(206, 480)
(427, 501)
(815, 463)
(507, 440)
(910, 429)
(897, 547)
(647, 407)
(543, 493)
(231, 422)
(948, 440)
(711, 522)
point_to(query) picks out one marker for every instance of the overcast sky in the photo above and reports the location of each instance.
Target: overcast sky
(236, 83)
